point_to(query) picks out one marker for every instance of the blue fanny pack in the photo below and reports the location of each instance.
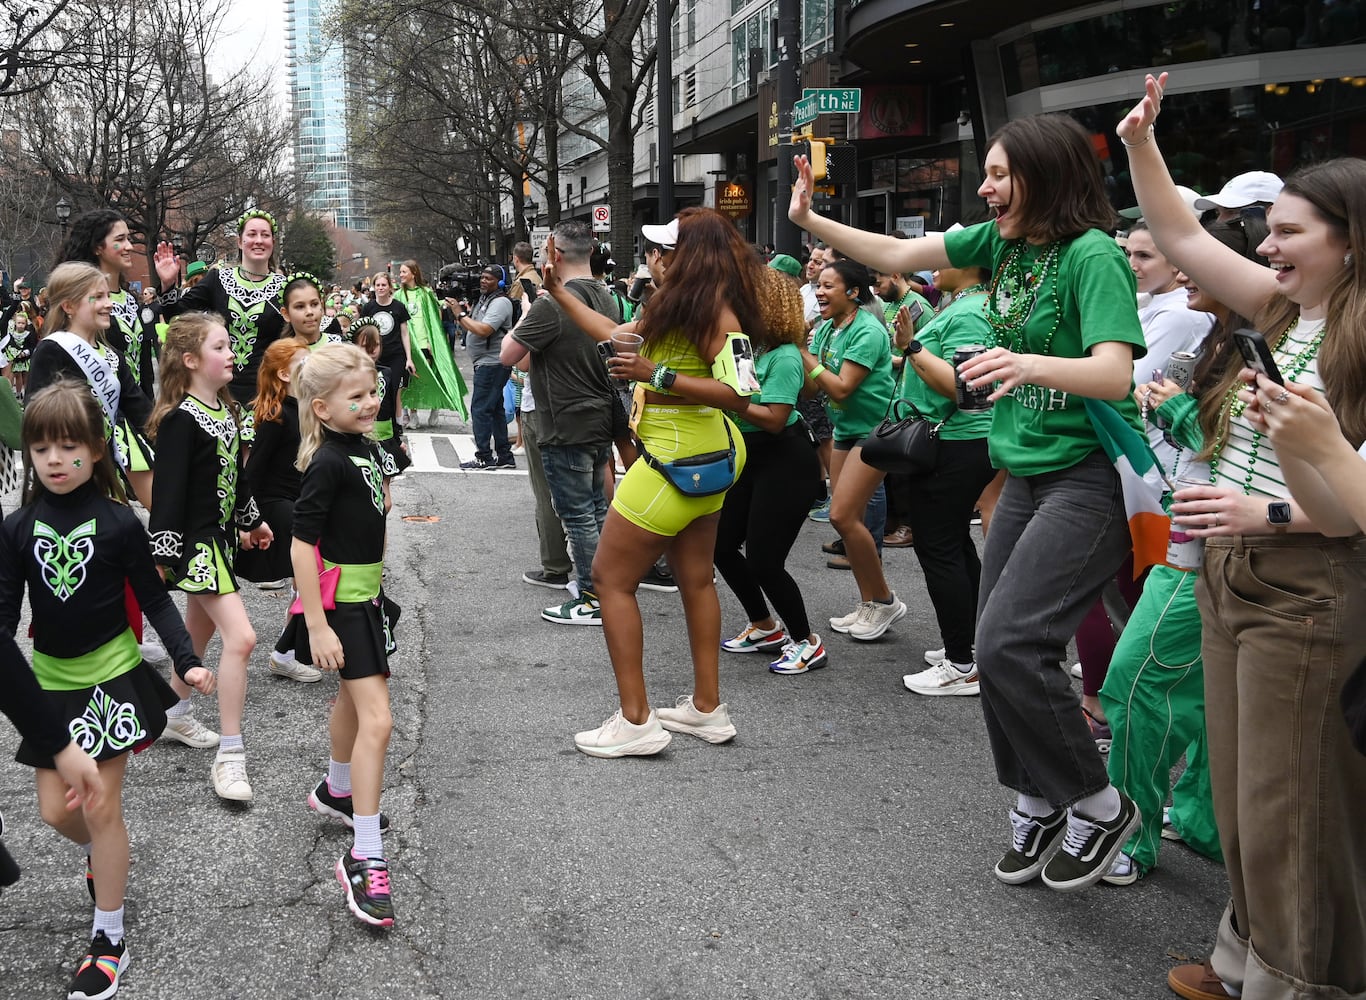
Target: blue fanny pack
(700, 475)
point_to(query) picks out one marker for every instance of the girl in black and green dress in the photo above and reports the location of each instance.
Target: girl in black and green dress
(201, 507)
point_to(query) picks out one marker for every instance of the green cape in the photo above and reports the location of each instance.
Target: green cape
(436, 386)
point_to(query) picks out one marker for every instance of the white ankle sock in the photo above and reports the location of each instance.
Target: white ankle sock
(228, 743)
(109, 921)
(339, 777)
(963, 668)
(369, 842)
(182, 707)
(1103, 806)
(1032, 805)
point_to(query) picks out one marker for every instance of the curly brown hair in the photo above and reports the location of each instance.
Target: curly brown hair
(780, 304)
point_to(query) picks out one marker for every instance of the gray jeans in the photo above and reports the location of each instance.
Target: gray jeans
(1056, 540)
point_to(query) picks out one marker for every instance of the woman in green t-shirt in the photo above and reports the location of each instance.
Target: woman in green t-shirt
(851, 362)
(940, 503)
(1063, 308)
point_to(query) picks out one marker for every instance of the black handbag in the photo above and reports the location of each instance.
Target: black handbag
(908, 444)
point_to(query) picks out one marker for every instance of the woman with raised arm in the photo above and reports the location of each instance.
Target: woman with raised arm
(1062, 306)
(1282, 592)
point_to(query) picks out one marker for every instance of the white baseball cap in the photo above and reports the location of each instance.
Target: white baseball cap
(665, 235)
(1245, 189)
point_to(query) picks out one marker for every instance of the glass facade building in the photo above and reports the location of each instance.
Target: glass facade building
(320, 91)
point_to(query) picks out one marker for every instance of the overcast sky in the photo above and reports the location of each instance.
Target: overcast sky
(254, 30)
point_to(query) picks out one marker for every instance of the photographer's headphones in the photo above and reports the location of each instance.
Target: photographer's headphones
(502, 275)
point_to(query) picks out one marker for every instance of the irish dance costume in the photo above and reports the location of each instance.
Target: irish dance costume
(251, 308)
(387, 430)
(75, 551)
(274, 482)
(341, 511)
(134, 340)
(200, 498)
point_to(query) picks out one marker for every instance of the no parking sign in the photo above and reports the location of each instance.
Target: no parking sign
(602, 218)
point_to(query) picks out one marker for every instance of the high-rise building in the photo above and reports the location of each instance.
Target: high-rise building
(321, 91)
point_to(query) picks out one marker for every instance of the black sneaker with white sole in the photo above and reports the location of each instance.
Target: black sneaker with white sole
(541, 578)
(97, 977)
(1090, 848)
(322, 801)
(1033, 841)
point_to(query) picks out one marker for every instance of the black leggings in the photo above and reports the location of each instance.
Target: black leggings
(765, 511)
(940, 515)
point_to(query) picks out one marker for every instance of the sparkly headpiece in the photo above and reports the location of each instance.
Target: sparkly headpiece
(361, 324)
(257, 213)
(300, 276)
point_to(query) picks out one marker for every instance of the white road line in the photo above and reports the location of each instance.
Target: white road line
(422, 450)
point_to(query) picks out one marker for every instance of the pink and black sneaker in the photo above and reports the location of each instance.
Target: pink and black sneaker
(366, 881)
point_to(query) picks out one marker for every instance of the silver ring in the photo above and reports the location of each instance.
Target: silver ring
(1284, 397)
(1216, 519)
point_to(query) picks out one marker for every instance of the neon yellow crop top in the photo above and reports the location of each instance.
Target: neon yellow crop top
(675, 351)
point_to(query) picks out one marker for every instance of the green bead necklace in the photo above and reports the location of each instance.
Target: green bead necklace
(1234, 407)
(1014, 292)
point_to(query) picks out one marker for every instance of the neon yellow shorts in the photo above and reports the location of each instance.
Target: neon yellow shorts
(647, 499)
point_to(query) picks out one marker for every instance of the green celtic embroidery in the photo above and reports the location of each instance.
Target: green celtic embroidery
(107, 724)
(374, 477)
(242, 329)
(63, 557)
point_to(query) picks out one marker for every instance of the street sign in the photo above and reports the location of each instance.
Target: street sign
(835, 100)
(538, 237)
(602, 218)
(912, 225)
(804, 111)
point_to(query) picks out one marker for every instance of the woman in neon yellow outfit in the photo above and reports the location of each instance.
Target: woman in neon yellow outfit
(684, 380)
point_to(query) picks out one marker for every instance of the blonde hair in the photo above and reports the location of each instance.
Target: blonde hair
(185, 335)
(321, 373)
(781, 306)
(72, 280)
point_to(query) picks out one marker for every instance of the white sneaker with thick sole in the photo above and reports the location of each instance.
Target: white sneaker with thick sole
(190, 731)
(230, 776)
(944, 679)
(154, 653)
(714, 726)
(844, 623)
(934, 657)
(285, 665)
(619, 738)
(876, 618)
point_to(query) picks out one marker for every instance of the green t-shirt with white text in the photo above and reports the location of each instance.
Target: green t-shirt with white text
(1091, 298)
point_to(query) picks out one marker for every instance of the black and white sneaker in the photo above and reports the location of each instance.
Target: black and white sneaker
(477, 464)
(1034, 839)
(322, 801)
(1090, 848)
(659, 578)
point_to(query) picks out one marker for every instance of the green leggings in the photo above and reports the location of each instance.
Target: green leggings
(1154, 700)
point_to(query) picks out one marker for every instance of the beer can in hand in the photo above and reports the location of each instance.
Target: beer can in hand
(970, 399)
(1185, 551)
(1180, 367)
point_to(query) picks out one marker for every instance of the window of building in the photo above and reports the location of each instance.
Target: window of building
(754, 33)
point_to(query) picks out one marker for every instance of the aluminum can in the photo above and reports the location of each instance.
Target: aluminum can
(1185, 551)
(1180, 367)
(970, 399)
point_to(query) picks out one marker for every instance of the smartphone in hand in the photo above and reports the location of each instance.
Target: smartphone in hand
(1257, 355)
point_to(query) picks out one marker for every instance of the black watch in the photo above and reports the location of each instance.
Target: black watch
(1278, 514)
(667, 379)
(914, 347)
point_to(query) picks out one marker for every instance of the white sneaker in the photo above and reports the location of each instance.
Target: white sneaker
(285, 665)
(934, 657)
(844, 623)
(875, 618)
(280, 584)
(944, 679)
(1075, 670)
(619, 738)
(230, 776)
(154, 653)
(431, 418)
(714, 726)
(190, 731)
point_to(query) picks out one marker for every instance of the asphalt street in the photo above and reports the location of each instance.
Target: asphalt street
(841, 846)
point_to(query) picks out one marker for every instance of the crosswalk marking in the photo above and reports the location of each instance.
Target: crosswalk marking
(445, 452)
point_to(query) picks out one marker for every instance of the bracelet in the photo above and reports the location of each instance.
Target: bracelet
(815, 373)
(657, 377)
(1133, 145)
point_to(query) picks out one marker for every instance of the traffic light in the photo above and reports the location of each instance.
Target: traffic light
(814, 151)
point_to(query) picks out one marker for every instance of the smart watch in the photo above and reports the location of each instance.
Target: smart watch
(666, 380)
(1278, 514)
(914, 347)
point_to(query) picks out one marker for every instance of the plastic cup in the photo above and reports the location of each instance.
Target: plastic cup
(627, 343)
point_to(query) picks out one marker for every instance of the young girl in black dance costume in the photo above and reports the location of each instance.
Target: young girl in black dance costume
(247, 295)
(75, 347)
(274, 482)
(387, 430)
(339, 520)
(301, 304)
(74, 545)
(201, 507)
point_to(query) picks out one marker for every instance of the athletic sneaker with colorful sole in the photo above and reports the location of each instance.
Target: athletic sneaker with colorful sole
(756, 640)
(97, 977)
(366, 881)
(324, 802)
(799, 657)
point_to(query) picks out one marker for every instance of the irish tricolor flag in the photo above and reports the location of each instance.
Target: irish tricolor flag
(1141, 478)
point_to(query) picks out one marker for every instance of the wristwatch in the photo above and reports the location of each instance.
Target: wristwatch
(666, 380)
(1278, 515)
(914, 347)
